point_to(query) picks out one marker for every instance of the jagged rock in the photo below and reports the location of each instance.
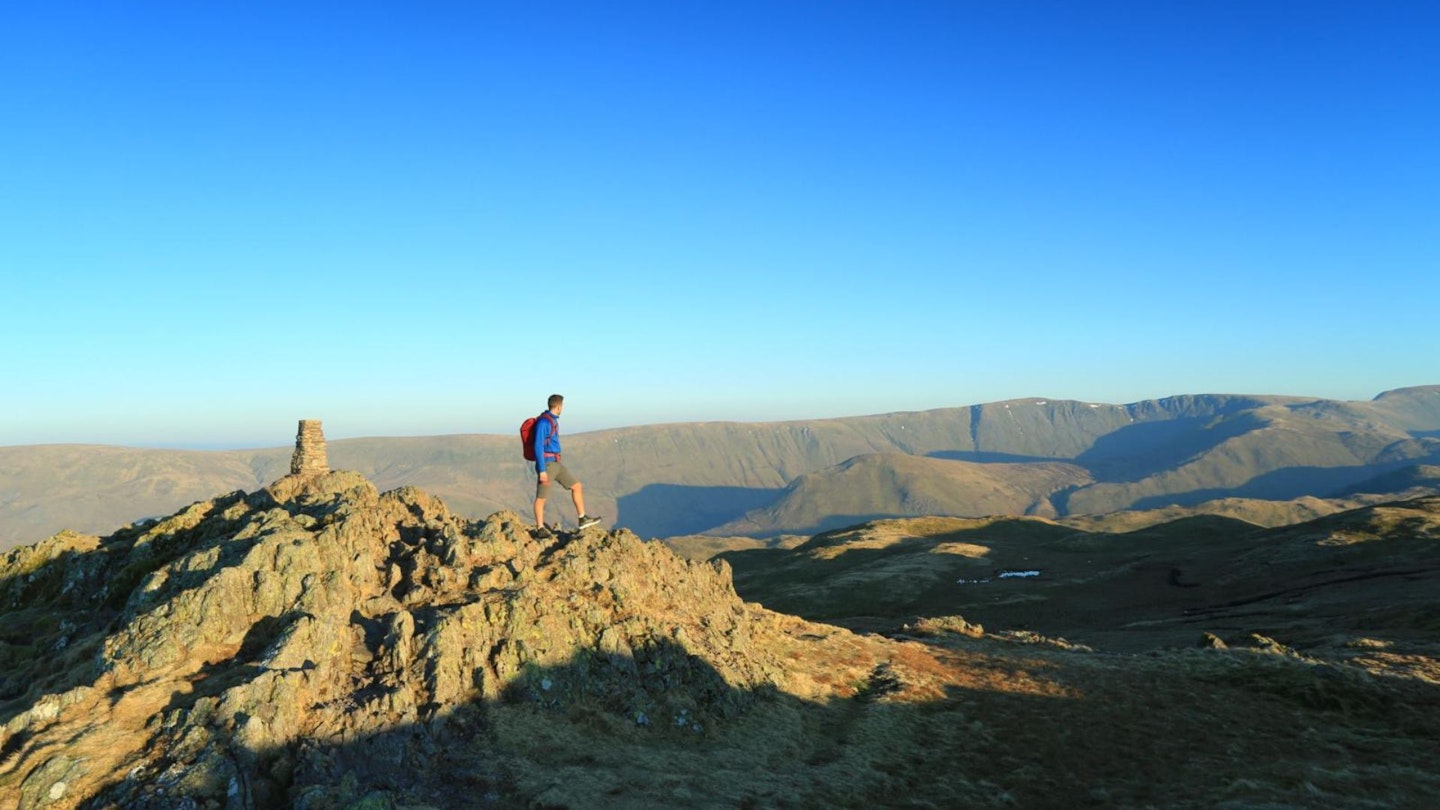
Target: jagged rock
(1266, 644)
(236, 636)
(941, 625)
(1213, 642)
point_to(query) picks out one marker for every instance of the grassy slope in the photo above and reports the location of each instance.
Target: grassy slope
(1370, 571)
(983, 723)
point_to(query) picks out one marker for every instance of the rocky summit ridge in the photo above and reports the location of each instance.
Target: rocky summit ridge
(231, 654)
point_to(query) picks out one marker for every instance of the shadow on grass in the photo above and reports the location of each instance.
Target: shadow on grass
(827, 579)
(658, 728)
(662, 728)
(1158, 586)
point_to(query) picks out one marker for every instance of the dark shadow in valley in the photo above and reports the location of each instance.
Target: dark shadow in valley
(977, 457)
(1142, 449)
(671, 510)
(1281, 485)
(1417, 473)
(835, 522)
(1060, 498)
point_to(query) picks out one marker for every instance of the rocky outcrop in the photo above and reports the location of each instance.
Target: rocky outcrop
(230, 654)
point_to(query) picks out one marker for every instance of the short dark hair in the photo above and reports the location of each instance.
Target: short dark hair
(555, 399)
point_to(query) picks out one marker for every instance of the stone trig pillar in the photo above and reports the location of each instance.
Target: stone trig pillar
(309, 458)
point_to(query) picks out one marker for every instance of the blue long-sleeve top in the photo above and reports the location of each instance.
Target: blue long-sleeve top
(547, 440)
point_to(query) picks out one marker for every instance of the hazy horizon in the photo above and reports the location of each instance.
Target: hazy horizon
(284, 436)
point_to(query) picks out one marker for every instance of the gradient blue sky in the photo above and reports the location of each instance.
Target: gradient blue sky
(416, 218)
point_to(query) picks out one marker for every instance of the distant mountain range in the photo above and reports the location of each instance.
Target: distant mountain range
(1040, 457)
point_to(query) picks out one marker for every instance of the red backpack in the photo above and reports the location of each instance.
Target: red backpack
(527, 434)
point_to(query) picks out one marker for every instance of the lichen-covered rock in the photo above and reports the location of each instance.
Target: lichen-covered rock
(240, 644)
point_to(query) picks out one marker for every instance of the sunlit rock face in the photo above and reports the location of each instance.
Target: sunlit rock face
(246, 642)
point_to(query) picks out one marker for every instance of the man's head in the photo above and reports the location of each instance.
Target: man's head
(556, 404)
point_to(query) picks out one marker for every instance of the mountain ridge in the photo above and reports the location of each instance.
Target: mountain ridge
(674, 479)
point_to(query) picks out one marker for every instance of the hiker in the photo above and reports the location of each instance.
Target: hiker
(549, 468)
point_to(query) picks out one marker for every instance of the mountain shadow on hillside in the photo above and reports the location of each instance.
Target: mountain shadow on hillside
(1142, 449)
(1419, 476)
(980, 457)
(1284, 484)
(668, 510)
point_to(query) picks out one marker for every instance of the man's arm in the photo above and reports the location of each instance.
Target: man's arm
(542, 436)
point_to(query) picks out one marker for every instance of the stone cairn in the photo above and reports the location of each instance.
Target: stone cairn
(309, 458)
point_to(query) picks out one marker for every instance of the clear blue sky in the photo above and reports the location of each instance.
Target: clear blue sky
(417, 218)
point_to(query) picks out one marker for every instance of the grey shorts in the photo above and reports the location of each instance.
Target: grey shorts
(558, 475)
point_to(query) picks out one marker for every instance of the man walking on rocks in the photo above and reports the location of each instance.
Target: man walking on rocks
(549, 468)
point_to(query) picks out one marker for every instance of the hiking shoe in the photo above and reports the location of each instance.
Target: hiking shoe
(586, 521)
(541, 533)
